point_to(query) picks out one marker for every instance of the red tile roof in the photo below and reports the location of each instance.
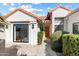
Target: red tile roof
(42, 17)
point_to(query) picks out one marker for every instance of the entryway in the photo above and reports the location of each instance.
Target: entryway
(20, 33)
(47, 31)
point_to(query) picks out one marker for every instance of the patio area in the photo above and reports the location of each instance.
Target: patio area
(21, 49)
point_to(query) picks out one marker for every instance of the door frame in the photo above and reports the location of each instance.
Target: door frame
(14, 32)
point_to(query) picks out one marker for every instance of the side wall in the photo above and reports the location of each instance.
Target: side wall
(70, 20)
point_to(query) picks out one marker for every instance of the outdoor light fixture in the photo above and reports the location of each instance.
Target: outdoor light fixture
(32, 26)
(2, 28)
(6, 26)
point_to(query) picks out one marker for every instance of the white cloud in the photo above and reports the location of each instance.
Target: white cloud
(48, 8)
(30, 8)
(33, 9)
(26, 6)
(11, 8)
(5, 4)
(12, 4)
(8, 4)
(36, 3)
(68, 6)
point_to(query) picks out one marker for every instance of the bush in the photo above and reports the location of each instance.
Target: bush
(70, 44)
(56, 35)
(56, 41)
(41, 26)
(40, 37)
(65, 32)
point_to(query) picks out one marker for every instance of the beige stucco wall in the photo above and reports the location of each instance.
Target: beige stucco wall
(2, 35)
(19, 16)
(65, 24)
(70, 20)
(58, 13)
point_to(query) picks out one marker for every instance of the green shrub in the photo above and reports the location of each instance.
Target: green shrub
(40, 37)
(56, 43)
(56, 35)
(41, 26)
(65, 32)
(70, 44)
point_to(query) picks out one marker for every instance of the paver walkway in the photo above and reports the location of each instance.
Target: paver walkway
(36, 50)
(31, 50)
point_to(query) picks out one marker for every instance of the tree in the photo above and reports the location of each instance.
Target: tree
(41, 26)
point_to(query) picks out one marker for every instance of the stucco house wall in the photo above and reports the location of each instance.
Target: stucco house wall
(69, 20)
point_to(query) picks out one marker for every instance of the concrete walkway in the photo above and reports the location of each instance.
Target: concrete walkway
(31, 50)
(49, 51)
(36, 50)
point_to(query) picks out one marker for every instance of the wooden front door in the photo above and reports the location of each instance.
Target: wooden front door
(47, 31)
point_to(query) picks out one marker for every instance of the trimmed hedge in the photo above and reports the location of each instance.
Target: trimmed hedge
(40, 37)
(70, 44)
(56, 43)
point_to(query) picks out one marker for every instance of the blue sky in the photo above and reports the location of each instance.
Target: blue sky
(37, 8)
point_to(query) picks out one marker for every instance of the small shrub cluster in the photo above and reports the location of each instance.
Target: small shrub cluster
(70, 44)
(40, 37)
(56, 35)
(56, 41)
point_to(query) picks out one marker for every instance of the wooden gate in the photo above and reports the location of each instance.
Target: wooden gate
(47, 31)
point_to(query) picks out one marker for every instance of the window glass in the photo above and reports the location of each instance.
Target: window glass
(58, 27)
(58, 23)
(76, 28)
